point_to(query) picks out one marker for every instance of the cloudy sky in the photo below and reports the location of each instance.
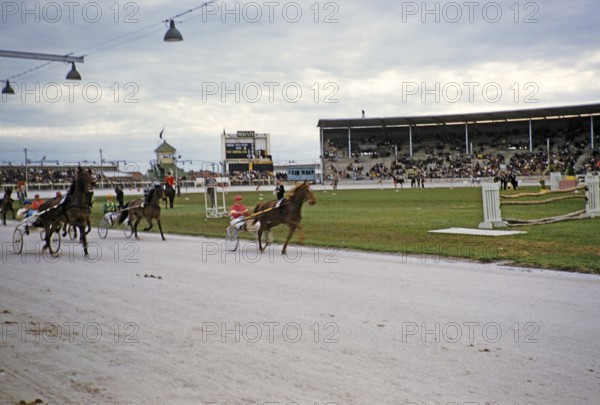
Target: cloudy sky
(277, 67)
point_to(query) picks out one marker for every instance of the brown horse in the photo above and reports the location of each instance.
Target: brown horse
(137, 210)
(75, 210)
(6, 204)
(287, 211)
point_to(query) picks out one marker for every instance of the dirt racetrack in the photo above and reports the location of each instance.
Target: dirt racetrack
(183, 322)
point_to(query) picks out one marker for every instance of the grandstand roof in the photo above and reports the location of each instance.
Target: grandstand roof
(496, 116)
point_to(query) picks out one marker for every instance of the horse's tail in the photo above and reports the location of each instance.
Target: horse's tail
(257, 208)
(124, 214)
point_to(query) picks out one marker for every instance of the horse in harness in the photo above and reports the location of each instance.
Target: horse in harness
(149, 209)
(269, 214)
(74, 209)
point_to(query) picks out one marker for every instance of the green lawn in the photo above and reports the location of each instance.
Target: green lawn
(389, 221)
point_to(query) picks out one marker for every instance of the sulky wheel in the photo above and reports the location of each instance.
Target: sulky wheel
(18, 241)
(103, 226)
(128, 229)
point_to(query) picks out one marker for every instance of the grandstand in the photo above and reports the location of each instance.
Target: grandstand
(528, 142)
(54, 175)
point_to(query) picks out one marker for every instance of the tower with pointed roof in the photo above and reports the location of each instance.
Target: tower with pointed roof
(166, 160)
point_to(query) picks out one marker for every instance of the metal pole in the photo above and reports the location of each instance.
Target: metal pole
(467, 136)
(592, 131)
(530, 137)
(349, 143)
(40, 56)
(410, 140)
(322, 154)
(548, 149)
(26, 173)
(101, 171)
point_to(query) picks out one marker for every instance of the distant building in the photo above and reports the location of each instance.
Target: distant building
(298, 171)
(246, 151)
(166, 160)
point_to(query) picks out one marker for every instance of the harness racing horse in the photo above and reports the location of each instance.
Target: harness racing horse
(137, 210)
(75, 210)
(287, 211)
(7, 205)
(170, 195)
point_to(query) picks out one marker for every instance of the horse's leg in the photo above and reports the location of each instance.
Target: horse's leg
(290, 233)
(48, 235)
(160, 228)
(135, 225)
(83, 239)
(300, 233)
(172, 199)
(150, 224)
(259, 235)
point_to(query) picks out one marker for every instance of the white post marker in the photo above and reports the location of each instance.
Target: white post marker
(492, 217)
(592, 204)
(555, 178)
(214, 207)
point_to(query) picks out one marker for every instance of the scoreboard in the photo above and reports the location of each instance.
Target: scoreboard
(238, 150)
(246, 150)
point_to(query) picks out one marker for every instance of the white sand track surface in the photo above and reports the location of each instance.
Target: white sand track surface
(181, 322)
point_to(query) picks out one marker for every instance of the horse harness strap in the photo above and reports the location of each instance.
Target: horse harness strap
(259, 213)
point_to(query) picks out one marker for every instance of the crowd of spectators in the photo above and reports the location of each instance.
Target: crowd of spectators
(248, 176)
(36, 174)
(461, 165)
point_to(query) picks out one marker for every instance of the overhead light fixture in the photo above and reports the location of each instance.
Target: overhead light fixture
(173, 34)
(73, 73)
(8, 89)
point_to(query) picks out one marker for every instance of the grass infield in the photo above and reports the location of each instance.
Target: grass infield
(398, 222)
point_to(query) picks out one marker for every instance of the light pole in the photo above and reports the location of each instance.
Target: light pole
(101, 170)
(26, 173)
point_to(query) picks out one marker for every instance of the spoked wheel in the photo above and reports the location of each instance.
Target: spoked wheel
(232, 239)
(18, 241)
(55, 241)
(103, 226)
(128, 229)
(72, 231)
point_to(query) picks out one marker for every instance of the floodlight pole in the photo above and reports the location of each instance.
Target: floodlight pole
(530, 137)
(26, 173)
(101, 170)
(467, 137)
(592, 131)
(410, 143)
